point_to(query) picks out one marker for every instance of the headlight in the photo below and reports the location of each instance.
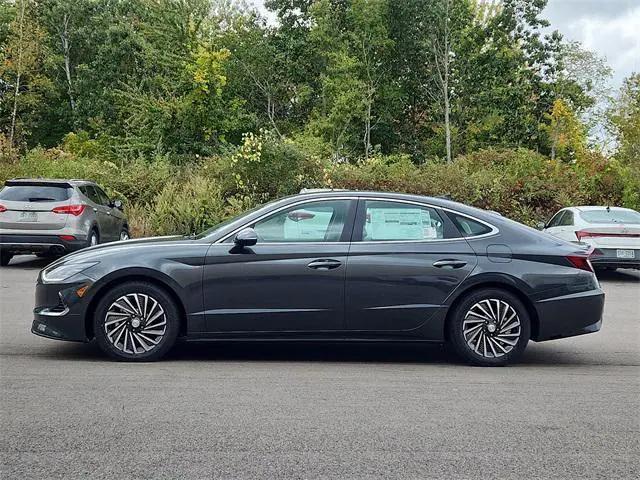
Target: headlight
(62, 272)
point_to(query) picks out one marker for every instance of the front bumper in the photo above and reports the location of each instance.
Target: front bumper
(569, 315)
(17, 243)
(60, 313)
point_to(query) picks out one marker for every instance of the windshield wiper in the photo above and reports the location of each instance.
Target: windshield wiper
(41, 199)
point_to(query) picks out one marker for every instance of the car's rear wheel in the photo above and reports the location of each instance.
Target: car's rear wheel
(136, 321)
(124, 234)
(491, 327)
(5, 258)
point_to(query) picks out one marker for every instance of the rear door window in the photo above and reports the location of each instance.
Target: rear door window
(90, 193)
(555, 221)
(567, 219)
(104, 198)
(396, 221)
(35, 193)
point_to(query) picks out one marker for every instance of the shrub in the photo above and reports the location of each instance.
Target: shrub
(266, 167)
(164, 198)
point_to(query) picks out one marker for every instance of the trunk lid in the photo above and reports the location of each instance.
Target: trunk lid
(614, 235)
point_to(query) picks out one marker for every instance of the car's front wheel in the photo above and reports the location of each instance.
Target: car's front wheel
(136, 321)
(491, 327)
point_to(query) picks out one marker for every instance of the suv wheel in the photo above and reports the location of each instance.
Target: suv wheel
(124, 234)
(136, 321)
(490, 328)
(5, 258)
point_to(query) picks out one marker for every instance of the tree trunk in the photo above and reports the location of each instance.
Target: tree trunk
(66, 49)
(447, 107)
(367, 129)
(14, 112)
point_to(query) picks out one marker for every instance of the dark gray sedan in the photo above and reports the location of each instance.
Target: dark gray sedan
(330, 266)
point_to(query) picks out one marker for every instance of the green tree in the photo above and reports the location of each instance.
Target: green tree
(566, 133)
(22, 72)
(624, 118)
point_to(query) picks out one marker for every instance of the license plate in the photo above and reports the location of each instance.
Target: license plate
(625, 254)
(28, 216)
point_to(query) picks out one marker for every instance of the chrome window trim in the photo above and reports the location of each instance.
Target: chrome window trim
(494, 229)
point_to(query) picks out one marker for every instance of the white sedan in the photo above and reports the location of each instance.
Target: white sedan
(613, 232)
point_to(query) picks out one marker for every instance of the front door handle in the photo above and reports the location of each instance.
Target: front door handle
(449, 263)
(324, 264)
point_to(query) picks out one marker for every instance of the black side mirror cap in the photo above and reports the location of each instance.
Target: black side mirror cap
(246, 238)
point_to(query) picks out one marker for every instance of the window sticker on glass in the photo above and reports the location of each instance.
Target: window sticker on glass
(400, 224)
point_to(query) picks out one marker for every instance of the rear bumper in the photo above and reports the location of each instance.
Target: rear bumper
(604, 258)
(39, 243)
(569, 315)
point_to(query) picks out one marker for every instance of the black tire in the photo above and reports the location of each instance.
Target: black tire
(117, 350)
(93, 232)
(495, 339)
(5, 258)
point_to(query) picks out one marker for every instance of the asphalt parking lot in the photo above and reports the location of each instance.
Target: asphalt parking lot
(569, 410)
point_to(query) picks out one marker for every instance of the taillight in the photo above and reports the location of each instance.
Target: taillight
(580, 234)
(3, 208)
(74, 210)
(67, 238)
(581, 262)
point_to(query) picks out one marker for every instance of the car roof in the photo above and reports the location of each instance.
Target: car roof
(599, 207)
(50, 181)
(441, 201)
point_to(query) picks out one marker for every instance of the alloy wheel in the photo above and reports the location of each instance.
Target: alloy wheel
(491, 328)
(135, 323)
(93, 241)
(124, 235)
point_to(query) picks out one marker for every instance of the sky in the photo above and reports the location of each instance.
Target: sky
(610, 28)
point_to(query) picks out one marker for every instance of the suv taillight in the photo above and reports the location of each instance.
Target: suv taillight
(74, 210)
(3, 208)
(581, 262)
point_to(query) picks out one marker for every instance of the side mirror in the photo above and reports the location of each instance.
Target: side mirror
(117, 204)
(246, 238)
(541, 225)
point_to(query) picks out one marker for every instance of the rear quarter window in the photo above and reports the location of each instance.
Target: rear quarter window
(35, 193)
(467, 226)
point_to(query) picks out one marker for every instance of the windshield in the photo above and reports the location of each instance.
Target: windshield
(610, 216)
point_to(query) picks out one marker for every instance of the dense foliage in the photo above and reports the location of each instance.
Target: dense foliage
(194, 109)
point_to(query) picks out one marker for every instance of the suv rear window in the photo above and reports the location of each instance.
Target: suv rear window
(35, 193)
(610, 216)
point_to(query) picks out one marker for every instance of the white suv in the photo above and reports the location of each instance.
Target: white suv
(53, 217)
(613, 232)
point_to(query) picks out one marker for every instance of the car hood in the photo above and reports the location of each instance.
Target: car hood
(99, 251)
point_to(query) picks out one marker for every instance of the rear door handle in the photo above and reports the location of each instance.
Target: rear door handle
(449, 263)
(324, 264)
